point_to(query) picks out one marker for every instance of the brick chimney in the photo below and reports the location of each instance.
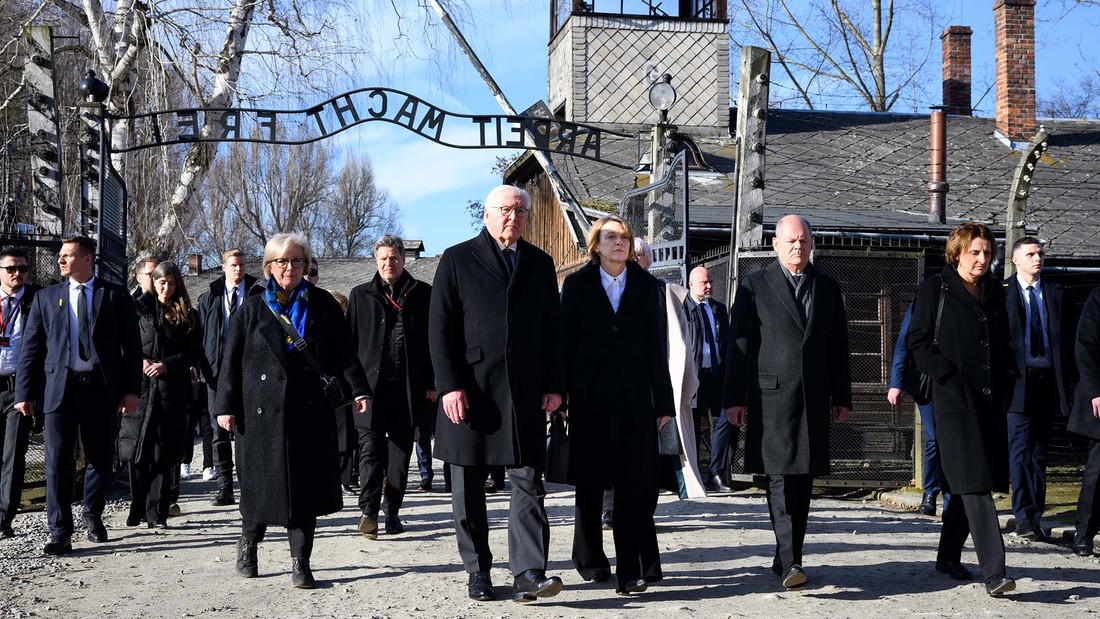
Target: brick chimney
(194, 264)
(956, 70)
(1014, 26)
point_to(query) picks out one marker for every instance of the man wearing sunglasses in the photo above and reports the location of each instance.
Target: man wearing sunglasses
(15, 427)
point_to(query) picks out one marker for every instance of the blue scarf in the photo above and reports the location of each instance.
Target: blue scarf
(294, 305)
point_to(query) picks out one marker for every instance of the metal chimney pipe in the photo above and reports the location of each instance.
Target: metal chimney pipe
(937, 171)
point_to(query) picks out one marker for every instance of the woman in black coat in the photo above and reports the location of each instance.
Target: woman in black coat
(270, 394)
(151, 439)
(972, 368)
(619, 394)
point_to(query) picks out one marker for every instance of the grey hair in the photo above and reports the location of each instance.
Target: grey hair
(392, 241)
(644, 251)
(278, 245)
(497, 195)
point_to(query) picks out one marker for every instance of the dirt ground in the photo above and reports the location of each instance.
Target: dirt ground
(864, 559)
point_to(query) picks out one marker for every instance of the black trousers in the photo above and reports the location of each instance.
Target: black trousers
(300, 534)
(528, 527)
(974, 515)
(789, 508)
(635, 534)
(15, 432)
(221, 443)
(1028, 439)
(1088, 502)
(150, 487)
(86, 408)
(198, 412)
(383, 454)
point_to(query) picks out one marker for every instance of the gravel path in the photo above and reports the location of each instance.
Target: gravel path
(864, 559)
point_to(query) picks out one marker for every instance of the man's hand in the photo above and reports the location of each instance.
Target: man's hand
(840, 413)
(27, 408)
(227, 422)
(129, 403)
(662, 421)
(1095, 407)
(551, 402)
(455, 405)
(361, 405)
(737, 415)
(893, 395)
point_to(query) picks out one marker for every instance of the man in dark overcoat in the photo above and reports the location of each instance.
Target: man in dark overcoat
(216, 305)
(388, 322)
(1035, 316)
(787, 378)
(495, 346)
(16, 296)
(1085, 420)
(82, 349)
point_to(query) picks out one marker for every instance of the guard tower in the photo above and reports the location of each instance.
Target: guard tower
(604, 54)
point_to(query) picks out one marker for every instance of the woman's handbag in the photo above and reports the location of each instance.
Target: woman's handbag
(334, 391)
(557, 450)
(668, 439)
(918, 384)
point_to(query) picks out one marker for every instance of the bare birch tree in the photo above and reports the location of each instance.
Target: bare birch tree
(357, 212)
(867, 51)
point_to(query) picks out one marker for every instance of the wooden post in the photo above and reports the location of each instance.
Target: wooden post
(1017, 197)
(43, 125)
(752, 113)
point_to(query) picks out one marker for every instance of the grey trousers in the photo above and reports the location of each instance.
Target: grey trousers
(528, 527)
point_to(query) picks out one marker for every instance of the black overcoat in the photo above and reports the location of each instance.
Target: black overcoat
(366, 318)
(1060, 344)
(286, 431)
(1087, 352)
(787, 372)
(617, 375)
(498, 338)
(972, 370)
(164, 400)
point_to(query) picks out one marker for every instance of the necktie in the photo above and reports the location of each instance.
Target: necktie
(233, 301)
(510, 259)
(82, 324)
(9, 304)
(1035, 325)
(708, 337)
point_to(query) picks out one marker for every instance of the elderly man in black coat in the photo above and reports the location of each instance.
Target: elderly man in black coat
(787, 378)
(495, 338)
(1085, 420)
(388, 322)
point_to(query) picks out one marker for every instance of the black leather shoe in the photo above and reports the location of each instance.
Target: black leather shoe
(599, 576)
(6, 531)
(393, 525)
(954, 569)
(715, 484)
(638, 585)
(97, 533)
(794, 577)
(491, 486)
(224, 497)
(480, 587)
(247, 562)
(58, 545)
(927, 504)
(425, 486)
(999, 584)
(1082, 546)
(607, 519)
(534, 584)
(1024, 530)
(300, 574)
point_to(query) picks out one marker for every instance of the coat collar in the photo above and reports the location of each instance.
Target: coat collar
(631, 293)
(985, 289)
(782, 290)
(487, 252)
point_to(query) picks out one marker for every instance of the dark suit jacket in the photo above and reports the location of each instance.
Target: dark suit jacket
(787, 372)
(722, 321)
(1017, 327)
(972, 370)
(618, 376)
(500, 340)
(1087, 353)
(29, 290)
(367, 325)
(44, 357)
(211, 313)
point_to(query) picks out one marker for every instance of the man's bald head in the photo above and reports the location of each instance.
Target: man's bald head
(700, 284)
(793, 242)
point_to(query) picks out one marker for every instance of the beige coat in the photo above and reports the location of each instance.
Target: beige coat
(685, 382)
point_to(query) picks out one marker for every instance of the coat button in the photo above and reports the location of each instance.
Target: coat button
(984, 343)
(509, 350)
(982, 319)
(986, 391)
(984, 366)
(263, 376)
(260, 411)
(614, 328)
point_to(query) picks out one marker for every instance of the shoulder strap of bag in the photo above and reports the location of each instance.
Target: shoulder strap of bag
(298, 342)
(939, 314)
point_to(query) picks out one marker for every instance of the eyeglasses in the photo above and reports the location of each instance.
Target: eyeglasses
(313, 272)
(505, 211)
(22, 268)
(283, 263)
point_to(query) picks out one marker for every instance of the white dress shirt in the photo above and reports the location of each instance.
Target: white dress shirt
(1029, 361)
(613, 286)
(75, 363)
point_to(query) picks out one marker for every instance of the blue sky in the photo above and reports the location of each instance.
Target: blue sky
(432, 183)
